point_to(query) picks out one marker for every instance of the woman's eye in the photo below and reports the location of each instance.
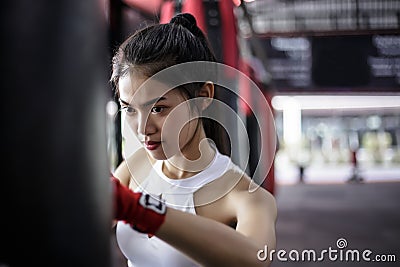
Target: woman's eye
(129, 110)
(157, 109)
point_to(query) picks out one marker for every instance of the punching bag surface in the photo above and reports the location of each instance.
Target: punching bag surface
(55, 197)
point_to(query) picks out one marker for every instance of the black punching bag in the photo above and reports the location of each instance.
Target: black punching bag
(55, 196)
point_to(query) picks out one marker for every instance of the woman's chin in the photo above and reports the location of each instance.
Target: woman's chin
(160, 153)
(157, 155)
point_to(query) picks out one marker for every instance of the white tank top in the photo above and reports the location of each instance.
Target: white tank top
(144, 251)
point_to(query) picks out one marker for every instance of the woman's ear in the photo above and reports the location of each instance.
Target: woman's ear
(207, 93)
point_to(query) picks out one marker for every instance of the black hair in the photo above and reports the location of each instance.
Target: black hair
(160, 46)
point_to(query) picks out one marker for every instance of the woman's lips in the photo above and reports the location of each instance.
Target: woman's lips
(152, 145)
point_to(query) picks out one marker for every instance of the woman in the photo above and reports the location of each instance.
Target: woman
(191, 204)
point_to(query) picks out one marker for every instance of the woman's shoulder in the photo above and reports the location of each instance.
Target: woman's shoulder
(134, 168)
(245, 184)
(234, 186)
(252, 191)
(229, 177)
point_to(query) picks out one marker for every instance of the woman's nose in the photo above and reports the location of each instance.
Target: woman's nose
(145, 125)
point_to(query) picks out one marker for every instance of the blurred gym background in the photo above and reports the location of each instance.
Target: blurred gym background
(330, 71)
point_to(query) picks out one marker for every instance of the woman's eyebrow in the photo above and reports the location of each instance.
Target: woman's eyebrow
(155, 100)
(123, 102)
(150, 102)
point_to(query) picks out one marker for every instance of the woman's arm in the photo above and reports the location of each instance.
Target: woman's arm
(214, 244)
(122, 173)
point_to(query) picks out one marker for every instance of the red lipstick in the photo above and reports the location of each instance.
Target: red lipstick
(151, 145)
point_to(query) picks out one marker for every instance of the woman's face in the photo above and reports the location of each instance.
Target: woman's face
(162, 120)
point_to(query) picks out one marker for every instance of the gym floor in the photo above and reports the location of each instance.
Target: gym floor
(316, 216)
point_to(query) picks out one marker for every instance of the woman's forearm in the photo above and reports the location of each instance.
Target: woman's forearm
(208, 242)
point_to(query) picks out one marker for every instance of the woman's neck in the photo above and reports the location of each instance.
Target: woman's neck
(188, 164)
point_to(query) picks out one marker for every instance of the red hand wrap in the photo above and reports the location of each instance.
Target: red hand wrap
(143, 212)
